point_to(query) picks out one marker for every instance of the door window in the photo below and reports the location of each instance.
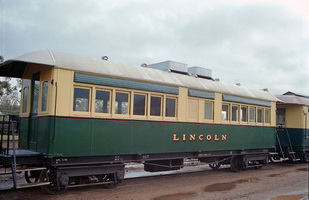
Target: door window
(35, 92)
(44, 96)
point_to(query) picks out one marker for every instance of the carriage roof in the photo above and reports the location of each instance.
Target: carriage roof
(16, 67)
(293, 99)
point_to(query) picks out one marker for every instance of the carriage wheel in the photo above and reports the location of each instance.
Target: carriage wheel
(54, 187)
(109, 178)
(33, 177)
(236, 163)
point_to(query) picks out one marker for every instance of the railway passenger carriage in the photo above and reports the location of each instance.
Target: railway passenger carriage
(81, 119)
(293, 127)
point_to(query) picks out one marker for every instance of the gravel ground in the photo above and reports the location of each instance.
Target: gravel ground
(278, 181)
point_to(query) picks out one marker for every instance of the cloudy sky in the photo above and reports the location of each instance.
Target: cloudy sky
(257, 43)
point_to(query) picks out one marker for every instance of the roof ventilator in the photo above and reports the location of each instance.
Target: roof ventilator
(105, 58)
(144, 65)
(201, 72)
(171, 66)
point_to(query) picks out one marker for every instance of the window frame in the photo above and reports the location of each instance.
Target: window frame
(145, 106)
(25, 100)
(228, 117)
(43, 95)
(128, 106)
(89, 100)
(267, 110)
(261, 121)
(212, 110)
(237, 113)
(241, 114)
(110, 104)
(254, 115)
(175, 108)
(161, 106)
(35, 93)
(196, 111)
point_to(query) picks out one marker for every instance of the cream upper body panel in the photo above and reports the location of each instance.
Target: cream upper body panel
(60, 70)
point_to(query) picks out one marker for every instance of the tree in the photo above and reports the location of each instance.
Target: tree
(9, 96)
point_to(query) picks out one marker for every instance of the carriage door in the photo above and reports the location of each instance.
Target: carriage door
(33, 118)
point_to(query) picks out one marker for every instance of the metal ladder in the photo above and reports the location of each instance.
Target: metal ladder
(291, 155)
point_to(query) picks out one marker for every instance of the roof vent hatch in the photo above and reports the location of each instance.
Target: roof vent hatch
(171, 66)
(201, 72)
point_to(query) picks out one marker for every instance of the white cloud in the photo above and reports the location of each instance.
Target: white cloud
(260, 43)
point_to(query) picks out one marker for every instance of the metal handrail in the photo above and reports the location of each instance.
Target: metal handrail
(2, 133)
(14, 154)
(278, 139)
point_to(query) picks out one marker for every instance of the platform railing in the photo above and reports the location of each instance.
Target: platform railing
(8, 132)
(9, 129)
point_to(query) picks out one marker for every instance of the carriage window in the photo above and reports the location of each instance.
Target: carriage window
(252, 114)
(139, 106)
(280, 116)
(155, 106)
(35, 84)
(170, 107)
(192, 109)
(44, 96)
(25, 99)
(122, 103)
(102, 101)
(260, 115)
(243, 114)
(234, 113)
(81, 99)
(208, 110)
(225, 112)
(267, 116)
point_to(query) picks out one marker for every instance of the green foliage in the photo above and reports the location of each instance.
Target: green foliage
(9, 96)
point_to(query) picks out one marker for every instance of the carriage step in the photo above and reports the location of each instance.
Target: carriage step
(18, 170)
(27, 185)
(276, 161)
(30, 169)
(249, 166)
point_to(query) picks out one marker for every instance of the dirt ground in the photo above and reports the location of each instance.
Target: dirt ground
(278, 181)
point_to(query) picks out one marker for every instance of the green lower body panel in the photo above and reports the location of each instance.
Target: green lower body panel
(36, 134)
(67, 137)
(296, 137)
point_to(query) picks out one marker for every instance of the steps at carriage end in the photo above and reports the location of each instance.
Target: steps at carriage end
(27, 185)
(30, 169)
(293, 157)
(24, 169)
(20, 182)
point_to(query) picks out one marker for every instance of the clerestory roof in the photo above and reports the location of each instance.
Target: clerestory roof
(16, 67)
